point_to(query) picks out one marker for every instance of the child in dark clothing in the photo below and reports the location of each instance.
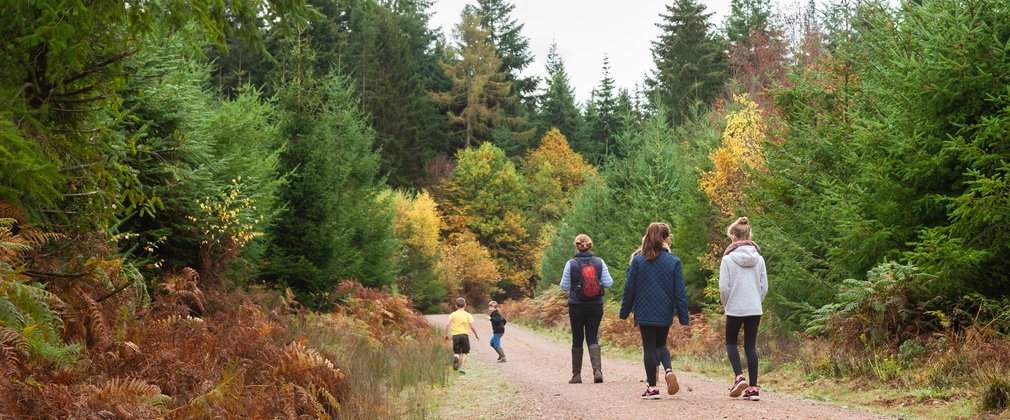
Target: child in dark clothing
(498, 329)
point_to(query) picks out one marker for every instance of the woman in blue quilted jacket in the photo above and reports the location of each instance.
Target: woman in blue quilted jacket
(655, 291)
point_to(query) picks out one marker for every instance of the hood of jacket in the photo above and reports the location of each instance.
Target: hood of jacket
(745, 256)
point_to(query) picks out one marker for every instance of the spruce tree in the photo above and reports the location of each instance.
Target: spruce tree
(505, 33)
(388, 50)
(557, 102)
(747, 18)
(333, 227)
(690, 61)
(602, 123)
(513, 48)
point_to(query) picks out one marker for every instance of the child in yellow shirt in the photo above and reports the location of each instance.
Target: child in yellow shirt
(459, 322)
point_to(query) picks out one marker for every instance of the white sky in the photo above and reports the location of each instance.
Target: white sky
(585, 30)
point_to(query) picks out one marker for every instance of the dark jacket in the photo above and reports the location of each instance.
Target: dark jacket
(585, 258)
(497, 323)
(655, 289)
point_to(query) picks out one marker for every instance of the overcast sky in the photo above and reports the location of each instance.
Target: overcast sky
(586, 30)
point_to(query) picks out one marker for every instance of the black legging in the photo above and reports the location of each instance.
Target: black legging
(585, 323)
(750, 332)
(653, 345)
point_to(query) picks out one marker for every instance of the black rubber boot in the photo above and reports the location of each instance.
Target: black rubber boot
(501, 355)
(576, 367)
(594, 358)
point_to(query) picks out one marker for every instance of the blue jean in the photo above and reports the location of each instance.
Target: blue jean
(496, 341)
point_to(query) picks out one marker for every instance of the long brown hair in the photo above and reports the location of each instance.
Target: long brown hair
(655, 236)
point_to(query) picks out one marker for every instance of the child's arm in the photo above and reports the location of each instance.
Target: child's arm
(448, 326)
(474, 331)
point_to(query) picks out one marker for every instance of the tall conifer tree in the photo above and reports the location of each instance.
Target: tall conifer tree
(480, 90)
(690, 62)
(557, 102)
(602, 123)
(746, 18)
(331, 229)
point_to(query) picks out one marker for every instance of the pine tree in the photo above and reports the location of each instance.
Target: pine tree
(757, 51)
(389, 51)
(557, 102)
(602, 122)
(747, 18)
(334, 226)
(513, 48)
(690, 62)
(479, 91)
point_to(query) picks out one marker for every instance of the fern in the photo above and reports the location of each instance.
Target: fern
(28, 309)
(133, 391)
(97, 327)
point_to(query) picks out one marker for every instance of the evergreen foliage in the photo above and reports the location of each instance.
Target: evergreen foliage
(480, 90)
(603, 124)
(747, 18)
(690, 62)
(648, 186)
(334, 225)
(209, 164)
(60, 78)
(387, 48)
(557, 101)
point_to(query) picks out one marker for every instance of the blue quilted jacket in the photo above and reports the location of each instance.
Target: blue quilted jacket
(654, 290)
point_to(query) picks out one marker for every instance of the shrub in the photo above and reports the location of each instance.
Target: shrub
(994, 391)
(471, 271)
(886, 309)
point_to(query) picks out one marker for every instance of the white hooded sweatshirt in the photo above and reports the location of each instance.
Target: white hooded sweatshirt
(743, 282)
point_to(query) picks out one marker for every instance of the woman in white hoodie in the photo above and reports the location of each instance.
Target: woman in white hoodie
(743, 284)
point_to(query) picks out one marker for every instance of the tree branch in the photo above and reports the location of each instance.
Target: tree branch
(82, 194)
(58, 211)
(94, 69)
(114, 292)
(47, 274)
(76, 167)
(75, 92)
(79, 100)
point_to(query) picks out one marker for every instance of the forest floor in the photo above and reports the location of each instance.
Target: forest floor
(534, 384)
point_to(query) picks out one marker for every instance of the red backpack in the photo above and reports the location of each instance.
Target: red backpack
(585, 280)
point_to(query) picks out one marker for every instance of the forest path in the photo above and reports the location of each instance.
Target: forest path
(538, 370)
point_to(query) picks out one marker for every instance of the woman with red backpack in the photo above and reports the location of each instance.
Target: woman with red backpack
(585, 278)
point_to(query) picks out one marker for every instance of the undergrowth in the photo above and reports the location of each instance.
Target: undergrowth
(96, 343)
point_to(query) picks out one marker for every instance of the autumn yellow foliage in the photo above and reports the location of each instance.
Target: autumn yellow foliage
(417, 223)
(471, 271)
(728, 183)
(566, 165)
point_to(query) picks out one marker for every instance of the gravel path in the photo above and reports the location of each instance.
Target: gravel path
(538, 370)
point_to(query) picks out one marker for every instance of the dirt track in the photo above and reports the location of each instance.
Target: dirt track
(538, 370)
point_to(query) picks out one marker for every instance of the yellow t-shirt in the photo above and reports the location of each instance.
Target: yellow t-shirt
(459, 320)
